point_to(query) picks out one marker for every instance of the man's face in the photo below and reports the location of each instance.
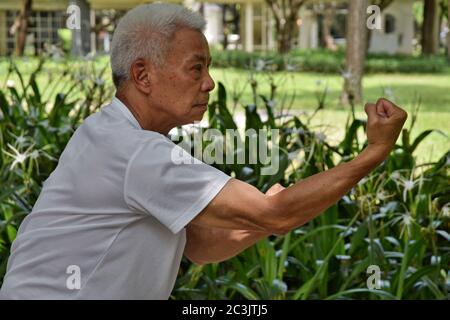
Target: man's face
(180, 89)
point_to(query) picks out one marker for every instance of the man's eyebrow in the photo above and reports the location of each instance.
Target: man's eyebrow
(200, 57)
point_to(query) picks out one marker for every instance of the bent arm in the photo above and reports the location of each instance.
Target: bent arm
(241, 206)
(210, 240)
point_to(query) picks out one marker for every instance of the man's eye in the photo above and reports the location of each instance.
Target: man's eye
(198, 67)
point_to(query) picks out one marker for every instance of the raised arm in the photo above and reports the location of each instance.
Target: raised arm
(241, 206)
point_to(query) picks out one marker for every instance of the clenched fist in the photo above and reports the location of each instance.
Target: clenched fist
(384, 123)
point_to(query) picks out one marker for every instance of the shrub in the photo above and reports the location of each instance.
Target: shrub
(396, 218)
(329, 62)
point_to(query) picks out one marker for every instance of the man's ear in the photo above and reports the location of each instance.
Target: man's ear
(140, 75)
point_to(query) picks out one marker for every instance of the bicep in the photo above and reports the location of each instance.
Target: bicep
(209, 244)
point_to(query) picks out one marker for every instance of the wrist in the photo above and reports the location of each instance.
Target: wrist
(374, 154)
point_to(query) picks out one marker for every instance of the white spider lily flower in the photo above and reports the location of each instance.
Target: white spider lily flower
(293, 155)
(64, 129)
(20, 140)
(89, 57)
(381, 195)
(290, 67)
(271, 104)
(388, 92)
(435, 260)
(34, 154)
(408, 185)
(362, 181)
(347, 75)
(321, 136)
(395, 175)
(99, 81)
(79, 77)
(446, 210)
(406, 221)
(260, 65)
(18, 156)
(280, 285)
(301, 131)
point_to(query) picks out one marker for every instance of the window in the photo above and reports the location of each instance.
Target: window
(389, 24)
(42, 29)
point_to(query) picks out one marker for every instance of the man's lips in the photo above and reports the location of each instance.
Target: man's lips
(201, 105)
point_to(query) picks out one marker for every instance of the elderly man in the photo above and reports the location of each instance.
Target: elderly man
(116, 216)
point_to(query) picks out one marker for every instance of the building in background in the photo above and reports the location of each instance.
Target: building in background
(233, 24)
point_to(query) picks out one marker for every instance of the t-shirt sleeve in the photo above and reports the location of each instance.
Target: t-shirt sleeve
(166, 182)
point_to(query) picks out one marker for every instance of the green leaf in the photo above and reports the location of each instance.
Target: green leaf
(422, 136)
(381, 293)
(245, 291)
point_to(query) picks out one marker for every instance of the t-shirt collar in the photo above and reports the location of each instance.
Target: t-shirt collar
(117, 104)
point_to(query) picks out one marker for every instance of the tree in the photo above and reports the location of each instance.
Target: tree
(230, 22)
(22, 24)
(445, 14)
(329, 14)
(430, 28)
(355, 51)
(448, 26)
(285, 14)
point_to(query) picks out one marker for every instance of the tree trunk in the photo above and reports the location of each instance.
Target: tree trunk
(25, 13)
(285, 35)
(448, 26)
(430, 28)
(328, 18)
(355, 51)
(225, 27)
(285, 15)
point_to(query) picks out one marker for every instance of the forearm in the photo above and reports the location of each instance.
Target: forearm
(209, 245)
(306, 199)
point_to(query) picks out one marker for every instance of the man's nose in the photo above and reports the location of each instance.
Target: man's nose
(208, 84)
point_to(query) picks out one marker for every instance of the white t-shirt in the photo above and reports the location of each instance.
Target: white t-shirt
(109, 222)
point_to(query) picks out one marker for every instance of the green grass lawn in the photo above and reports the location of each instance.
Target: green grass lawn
(300, 90)
(433, 91)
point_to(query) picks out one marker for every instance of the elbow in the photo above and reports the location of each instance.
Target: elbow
(278, 228)
(198, 262)
(201, 263)
(276, 219)
(195, 260)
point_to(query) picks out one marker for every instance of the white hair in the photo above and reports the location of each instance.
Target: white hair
(145, 32)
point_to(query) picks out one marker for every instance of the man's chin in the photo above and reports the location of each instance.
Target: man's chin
(193, 119)
(199, 113)
(197, 119)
